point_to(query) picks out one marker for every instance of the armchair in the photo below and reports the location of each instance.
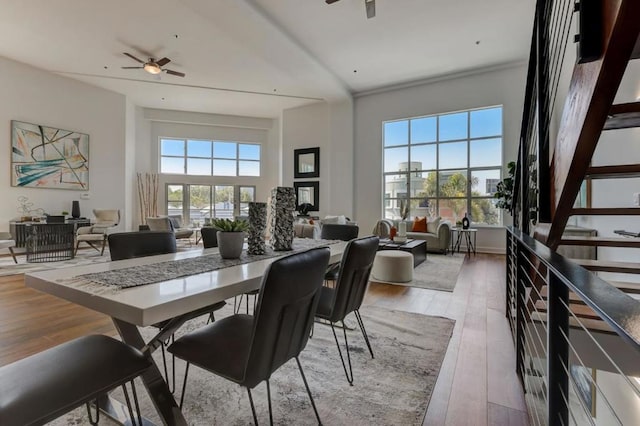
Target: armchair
(7, 242)
(170, 223)
(105, 221)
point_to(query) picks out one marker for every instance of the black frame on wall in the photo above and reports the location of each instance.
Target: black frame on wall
(297, 174)
(316, 193)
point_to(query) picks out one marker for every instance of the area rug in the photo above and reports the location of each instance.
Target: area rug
(392, 389)
(438, 272)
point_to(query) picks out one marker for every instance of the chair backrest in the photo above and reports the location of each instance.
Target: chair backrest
(107, 217)
(209, 236)
(176, 220)
(284, 315)
(353, 277)
(129, 245)
(159, 224)
(334, 231)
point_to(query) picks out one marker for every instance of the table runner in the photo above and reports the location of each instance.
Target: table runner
(135, 276)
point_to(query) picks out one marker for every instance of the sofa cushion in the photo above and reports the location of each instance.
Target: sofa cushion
(419, 224)
(432, 225)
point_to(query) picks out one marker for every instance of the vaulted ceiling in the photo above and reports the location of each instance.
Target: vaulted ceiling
(257, 57)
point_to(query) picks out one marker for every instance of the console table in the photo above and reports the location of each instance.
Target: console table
(20, 232)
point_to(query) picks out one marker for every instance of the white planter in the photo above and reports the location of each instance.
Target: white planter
(230, 244)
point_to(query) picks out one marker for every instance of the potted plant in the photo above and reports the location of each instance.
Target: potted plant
(504, 189)
(230, 237)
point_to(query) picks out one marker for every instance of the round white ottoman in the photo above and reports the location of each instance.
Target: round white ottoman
(393, 266)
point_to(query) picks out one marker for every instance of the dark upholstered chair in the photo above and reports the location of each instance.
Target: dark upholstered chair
(248, 349)
(333, 231)
(44, 386)
(209, 236)
(130, 245)
(347, 296)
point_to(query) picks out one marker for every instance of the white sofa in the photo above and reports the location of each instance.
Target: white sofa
(438, 241)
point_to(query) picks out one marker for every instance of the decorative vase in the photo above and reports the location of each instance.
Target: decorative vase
(230, 244)
(75, 209)
(402, 229)
(282, 206)
(465, 222)
(257, 226)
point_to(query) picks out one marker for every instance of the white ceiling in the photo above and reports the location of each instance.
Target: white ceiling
(257, 57)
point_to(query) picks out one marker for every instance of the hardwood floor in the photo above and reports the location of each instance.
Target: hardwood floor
(477, 384)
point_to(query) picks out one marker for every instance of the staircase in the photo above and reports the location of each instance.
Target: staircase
(588, 111)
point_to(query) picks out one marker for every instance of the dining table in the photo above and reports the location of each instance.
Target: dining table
(169, 302)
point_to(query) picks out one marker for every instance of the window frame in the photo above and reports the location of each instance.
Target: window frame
(394, 202)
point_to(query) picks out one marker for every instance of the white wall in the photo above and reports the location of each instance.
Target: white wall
(493, 87)
(152, 124)
(36, 96)
(330, 127)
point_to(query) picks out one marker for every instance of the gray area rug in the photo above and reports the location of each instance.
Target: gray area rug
(392, 389)
(85, 257)
(438, 272)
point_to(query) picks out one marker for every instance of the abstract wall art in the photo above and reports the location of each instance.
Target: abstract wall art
(46, 157)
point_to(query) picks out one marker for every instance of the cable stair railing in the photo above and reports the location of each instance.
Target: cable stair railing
(565, 320)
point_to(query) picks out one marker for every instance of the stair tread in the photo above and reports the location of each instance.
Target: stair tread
(601, 241)
(590, 324)
(627, 287)
(623, 116)
(619, 171)
(608, 265)
(579, 310)
(607, 211)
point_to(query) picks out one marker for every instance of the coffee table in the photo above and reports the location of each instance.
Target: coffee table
(418, 248)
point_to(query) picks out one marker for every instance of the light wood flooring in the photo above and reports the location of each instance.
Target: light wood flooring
(477, 384)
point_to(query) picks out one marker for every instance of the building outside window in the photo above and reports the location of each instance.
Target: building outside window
(444, 165)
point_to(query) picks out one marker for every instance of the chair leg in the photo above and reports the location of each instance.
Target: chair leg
(306, 385)
(128, 401)
(172, 383)
(91, 420)
(364, 331)
(253, 408)
(269, 401)
(104, 243)
(13, 255)
(77, 245)
(212, 318)
(184, 385)
(346, 343)
(239, 305)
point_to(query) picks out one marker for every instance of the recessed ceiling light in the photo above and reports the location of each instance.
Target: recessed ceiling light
(355, 70)
(106, 67)
(163, 99)
(477, 42)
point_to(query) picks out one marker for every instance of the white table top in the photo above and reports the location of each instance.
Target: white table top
(148, 304)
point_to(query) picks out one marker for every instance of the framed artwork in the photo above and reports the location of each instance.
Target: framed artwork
(308, 193)
(46, 157)
(585, 379)
(306, 163)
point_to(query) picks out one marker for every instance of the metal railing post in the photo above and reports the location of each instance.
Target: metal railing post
(507, 309)
(557, 350)
(521, 305)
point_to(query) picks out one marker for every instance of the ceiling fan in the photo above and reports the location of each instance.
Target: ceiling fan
(152, 66)
(370, 6)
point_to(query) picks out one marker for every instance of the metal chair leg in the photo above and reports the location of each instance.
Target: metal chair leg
(212, 318)
(269, 401)
(184, 385)
(91, 420)
(128, 401)
(344, 366)
(104, 243)
(364, 331)
(253, 408)
(13, 255)
(135, 400)
(306, 385)
(170, 383)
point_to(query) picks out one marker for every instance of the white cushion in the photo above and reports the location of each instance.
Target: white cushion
(432, 225)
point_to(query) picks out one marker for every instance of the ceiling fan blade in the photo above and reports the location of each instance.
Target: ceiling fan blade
(330, 1)
(131, 68)
(133, 57)
(179, 74)
(163, 61)
(370, 5)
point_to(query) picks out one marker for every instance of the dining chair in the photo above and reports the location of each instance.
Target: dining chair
(209, 236)
(248, 349)
(130, 245)
(334, 231)
(46, 385)
(351, 286)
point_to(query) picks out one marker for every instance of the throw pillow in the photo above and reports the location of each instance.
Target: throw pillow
(432, 225)
(419, 224)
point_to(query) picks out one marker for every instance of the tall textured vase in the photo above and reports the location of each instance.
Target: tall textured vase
(257, 226)
(283, 204)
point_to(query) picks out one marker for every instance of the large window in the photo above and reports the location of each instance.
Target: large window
(444, 165)
(199, 203)
(209, 158)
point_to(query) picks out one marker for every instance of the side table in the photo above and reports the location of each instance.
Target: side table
(466, 235)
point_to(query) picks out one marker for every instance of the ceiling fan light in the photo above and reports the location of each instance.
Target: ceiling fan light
(152, 68)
